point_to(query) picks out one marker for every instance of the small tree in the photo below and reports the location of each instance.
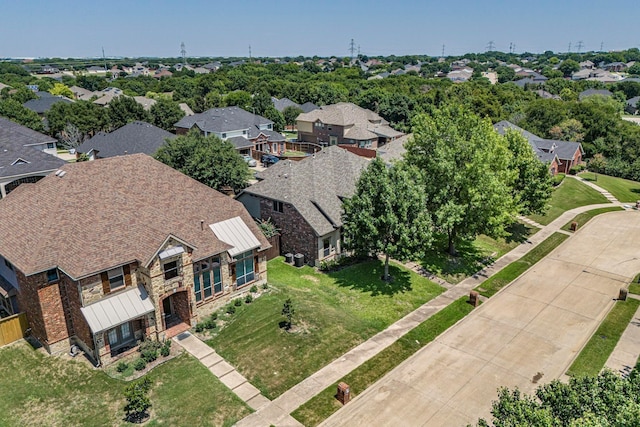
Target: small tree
(288, 311)
(138, 401)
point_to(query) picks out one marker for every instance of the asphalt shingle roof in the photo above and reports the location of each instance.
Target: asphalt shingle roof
(314, 186)
(44, 104)
(135, 137)
(14, 144)
(225, 119)
(109, 212)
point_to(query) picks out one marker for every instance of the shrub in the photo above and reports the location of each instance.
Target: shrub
(288, 311)
(199, 327)
(149, 350)
(165, 350)
(253, 289)
(265, 286)
(248, 299)
(231, 309)
(558, 179)
(210, 324)
(237, 302)
(138, 402)
(214, 315)
(139, 364)
(122, 366)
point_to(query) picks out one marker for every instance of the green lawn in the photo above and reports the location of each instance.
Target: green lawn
(324, 404)
(473, 256)
(509, 273)
(42, 390)
(333, 313)
(568, 195)
(584, 217)
(594, 355)
(624, 190)
(634, 286)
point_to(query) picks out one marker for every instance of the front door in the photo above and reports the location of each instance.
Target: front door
(167, 307)
(333, 140)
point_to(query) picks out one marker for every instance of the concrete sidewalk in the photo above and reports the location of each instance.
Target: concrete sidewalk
(279, 409)
(610, 197)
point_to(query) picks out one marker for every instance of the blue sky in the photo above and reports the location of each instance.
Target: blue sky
(66, 28)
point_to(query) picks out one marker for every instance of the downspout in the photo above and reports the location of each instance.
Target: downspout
(96, 351)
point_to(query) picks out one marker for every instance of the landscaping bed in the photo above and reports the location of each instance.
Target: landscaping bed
(334, 312)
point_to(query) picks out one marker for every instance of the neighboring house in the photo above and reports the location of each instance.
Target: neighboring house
(132, 138)
(546, 95)
(146, 103)
(394, 150)
(94, 69)
(82, 93)
(186, 109)
(632, 106)
(26, 156)
(281, 104)
(212, 66)
(460, 75)
(107, 95)
(594, 92)
(120, 250)
(304, 201)
(44, 102)
(47, 69)
(561, 156)
(308, 107)
(345, 123)
(250, 133)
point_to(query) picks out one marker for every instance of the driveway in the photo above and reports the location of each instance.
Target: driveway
(526, 335)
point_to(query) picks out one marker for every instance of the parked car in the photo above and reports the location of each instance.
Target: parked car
(251, 162)
(269, 159)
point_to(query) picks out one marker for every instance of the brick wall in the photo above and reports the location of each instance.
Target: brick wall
(297, 236)
(29, 302)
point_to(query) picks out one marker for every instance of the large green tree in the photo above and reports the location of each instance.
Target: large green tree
(165, 113)
(210, 160)
(604, 400)
(86, 116)
(12, 109)
(123, 110)
(466, 174)
(386, 214)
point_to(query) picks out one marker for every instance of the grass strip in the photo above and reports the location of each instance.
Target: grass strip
(324, 404)
(509, 273)
(584, 217)
(594, 355)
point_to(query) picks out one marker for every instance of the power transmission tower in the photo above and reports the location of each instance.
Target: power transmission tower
(580, 44)
(352, 48)
(569, 47)
(104, 59)
(358, 51)
(601, 46)
(443, 50)
(183, 53)
(490, 46)
(249, 52)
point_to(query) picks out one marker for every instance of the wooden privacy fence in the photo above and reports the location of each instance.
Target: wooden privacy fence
(12, 328)
(274, 251)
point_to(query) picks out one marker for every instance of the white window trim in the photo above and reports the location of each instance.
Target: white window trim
(114, 274)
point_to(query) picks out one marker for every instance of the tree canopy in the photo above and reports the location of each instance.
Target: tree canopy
(466, 174)
(209, 160)
(165, 113)
(123, 110)
(387, 215)
(604, 400)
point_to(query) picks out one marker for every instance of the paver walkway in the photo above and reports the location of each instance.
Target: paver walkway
(277, 412)
(526, 335)
(625, 354)
(222, 370)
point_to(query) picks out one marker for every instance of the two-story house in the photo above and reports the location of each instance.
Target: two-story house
(304, 201)
(108, 253)
(250, 133)
(345, 123)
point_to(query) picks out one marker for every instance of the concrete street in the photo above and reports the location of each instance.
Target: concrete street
(526, 335)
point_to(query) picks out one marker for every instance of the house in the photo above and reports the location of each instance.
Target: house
(250, 133)
(594, 92)
(132, 138)
(186, 109)
(304, 201)
(460, 75)
(44, 102)
(281, 104)
(82, 93)
(107, 95)
(139, 251)
(26, 156)
(546, 95)
(345, 123)
(561, 156)
(146, 103)
(632, 106)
